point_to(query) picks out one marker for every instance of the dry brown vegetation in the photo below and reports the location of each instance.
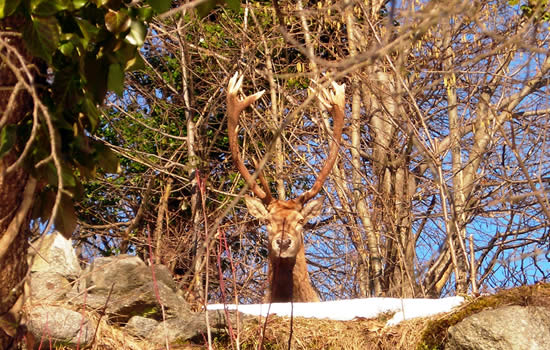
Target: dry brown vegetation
(366, 334)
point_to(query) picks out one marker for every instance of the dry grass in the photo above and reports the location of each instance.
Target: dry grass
(113, 337)
(423, 333)
(365, 334)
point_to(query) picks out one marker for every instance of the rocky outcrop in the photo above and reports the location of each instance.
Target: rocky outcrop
(54, 253)
(48, 287)
(127, 291)
(507, 328)
(146, 303)
(59, 326)
(178, 329)
(141, 326)
(125, 286)
(53, 264)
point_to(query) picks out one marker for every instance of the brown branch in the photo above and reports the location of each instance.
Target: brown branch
(14, 226)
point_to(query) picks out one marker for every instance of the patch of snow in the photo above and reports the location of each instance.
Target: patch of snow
(345, 310)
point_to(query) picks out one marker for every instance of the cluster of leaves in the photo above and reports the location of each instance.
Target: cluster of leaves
(156, 131)
(87, 46)
(206, 7)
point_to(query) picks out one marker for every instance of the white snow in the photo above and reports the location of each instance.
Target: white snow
(345, 310)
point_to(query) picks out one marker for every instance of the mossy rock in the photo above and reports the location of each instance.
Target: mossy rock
(435, 332)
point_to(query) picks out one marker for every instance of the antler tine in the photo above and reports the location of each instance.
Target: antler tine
(234, 108)
(334, 101)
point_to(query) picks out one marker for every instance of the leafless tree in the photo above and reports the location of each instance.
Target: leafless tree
(442, 181)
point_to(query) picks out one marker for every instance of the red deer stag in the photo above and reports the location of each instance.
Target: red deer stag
(288, 276)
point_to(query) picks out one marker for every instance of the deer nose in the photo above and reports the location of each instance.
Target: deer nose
(283, 243)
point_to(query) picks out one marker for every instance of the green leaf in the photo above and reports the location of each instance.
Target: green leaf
(160, 6)
(67, 48)
(128, 56)
(88, 30)
(234, 5)
(206, 7)
(50, 174)
(527, 10)
(79, 3)
(8, 7)
(66, 87)
(91, 112)
(42, 37)
(137, 33)
(117, 22)
(108, 159)
(42, 207)
(96, 72)
(143, 13)
(513, 2)
(115, 80)
(65, 220)
(7, 139)
(48, 7)
(67, 177)
(135, 63)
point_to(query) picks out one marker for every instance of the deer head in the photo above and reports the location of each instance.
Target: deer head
(288, 276)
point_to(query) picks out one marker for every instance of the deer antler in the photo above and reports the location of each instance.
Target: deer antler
(234, 108)
(334, 101)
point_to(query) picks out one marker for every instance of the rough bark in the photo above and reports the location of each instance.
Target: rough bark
(16, 193)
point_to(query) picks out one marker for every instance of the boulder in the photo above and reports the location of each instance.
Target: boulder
(141, 326)
(180, 329)
(125, 272)
(505, 328)
(59, 326)
(54, 253)
(48, 287)
(125, 287)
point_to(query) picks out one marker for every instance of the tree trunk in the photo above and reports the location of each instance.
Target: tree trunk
(17, 191)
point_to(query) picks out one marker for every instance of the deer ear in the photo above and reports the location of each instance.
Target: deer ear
(312, 209)
(255, 207)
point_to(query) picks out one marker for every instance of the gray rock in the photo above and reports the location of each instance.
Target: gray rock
(181, 329)
(506, 328)
(124, 273)
(125, 287)
(54, 253)
(141, 326)
(143, 301)
(60, 326)
(120, 272)
(172, 330)
(47, 287)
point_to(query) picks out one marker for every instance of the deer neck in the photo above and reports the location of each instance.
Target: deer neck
(289, 280)
(281, 279)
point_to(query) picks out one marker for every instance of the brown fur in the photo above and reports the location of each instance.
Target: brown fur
(289, 280)
(288, 276)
